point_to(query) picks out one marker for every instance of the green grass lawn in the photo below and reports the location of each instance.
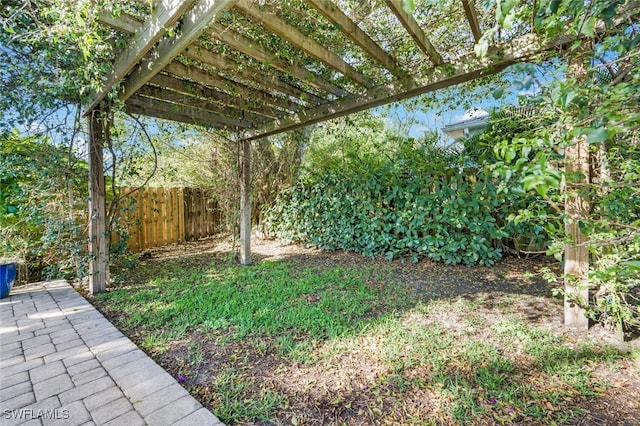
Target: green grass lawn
(336, 344)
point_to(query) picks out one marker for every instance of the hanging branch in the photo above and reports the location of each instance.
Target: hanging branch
(113, 206)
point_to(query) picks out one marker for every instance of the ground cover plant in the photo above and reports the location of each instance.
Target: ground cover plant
(311, 337)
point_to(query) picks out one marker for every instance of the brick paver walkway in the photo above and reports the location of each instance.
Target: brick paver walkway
(63, 363)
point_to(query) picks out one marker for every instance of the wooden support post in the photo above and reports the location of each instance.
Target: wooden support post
(98, 246)
(576, 255)
(245, 202)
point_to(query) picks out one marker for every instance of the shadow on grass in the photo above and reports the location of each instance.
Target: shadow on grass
(283, 319)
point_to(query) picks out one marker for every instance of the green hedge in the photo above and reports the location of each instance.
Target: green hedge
(402, 206)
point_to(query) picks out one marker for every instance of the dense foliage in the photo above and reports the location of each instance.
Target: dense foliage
(42, 203)
(397, 196)
(53, 56)
(592, 99)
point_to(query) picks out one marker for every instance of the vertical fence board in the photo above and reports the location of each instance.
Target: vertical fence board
(181, 213)
(139, 212)
(144, 217)
(200, 214)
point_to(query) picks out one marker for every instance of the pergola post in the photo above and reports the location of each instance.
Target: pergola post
(98, 247)
(576, 255)
(245, 202)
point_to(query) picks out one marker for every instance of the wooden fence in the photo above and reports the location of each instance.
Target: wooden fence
(155, 217)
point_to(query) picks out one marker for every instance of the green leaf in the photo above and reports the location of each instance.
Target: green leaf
(482, 47)
(542, 189)
(588, 26)
(632, 264)
(600, 134)
(408, 6)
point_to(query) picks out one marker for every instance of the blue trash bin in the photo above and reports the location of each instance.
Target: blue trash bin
(7, 277)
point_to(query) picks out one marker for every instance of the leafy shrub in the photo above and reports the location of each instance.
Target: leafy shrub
(416, 202)
(42, 207)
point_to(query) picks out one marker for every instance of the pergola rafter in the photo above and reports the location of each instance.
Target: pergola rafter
(199, 116)
(163, 16)
(472, 17)
(252, 49)
(271, 82)
(294, 36)
(220, 69)
(415, 31)
(176, 97)
(362, 39)
(193, 24)
(242, 91)
(199, 91)
(469, 68)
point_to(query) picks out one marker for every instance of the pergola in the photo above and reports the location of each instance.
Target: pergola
(257, 68)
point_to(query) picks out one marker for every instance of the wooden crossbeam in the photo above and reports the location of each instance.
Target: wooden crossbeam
(267, 80)
(414, 30)
(193, 24)
(465, 69)
(123, 22)
(358, 36)
(164, 94)
(163, 16)
(472, 17)
(294, 36)
(251, 48)
(199, 91)
(165, 115)
(170, 110)
(236, 89)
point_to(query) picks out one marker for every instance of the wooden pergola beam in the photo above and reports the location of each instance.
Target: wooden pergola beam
(414, 30)
(163, 16)
(333, 13)
(472, 17)
(199, 116)
(123, 22)
(260, 78)
(194, 89)
(164, 94)
(307, 44)
(235, 89)
(467, 68)
(250, 48)
(193, 25)
(164, 115)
